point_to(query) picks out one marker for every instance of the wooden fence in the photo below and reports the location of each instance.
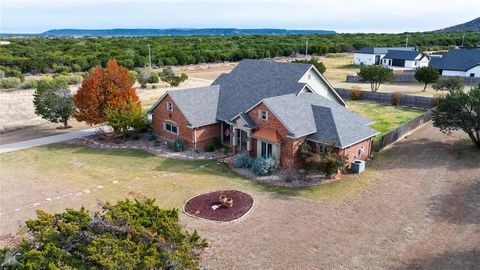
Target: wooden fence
(388, 98)
(398, 133)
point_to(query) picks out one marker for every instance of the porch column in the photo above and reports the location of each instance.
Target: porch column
(234, 136)
(221, 133)
(249, 140)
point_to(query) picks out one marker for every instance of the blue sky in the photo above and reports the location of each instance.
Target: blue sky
(34, 16)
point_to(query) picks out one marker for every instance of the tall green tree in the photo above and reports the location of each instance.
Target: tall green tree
(53, 101)
(376, 75)
(459, 111)
(126, 235)
(427, 75)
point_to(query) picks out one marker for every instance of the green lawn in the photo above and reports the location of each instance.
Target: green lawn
(385, 117)
(65, 168)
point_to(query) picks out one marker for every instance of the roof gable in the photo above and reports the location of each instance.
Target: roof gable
(198, 105)
(253, 80)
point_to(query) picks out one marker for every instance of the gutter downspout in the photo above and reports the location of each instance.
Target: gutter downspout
(195, 138)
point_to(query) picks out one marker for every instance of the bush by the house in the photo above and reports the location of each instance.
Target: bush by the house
(356, 93)
(126, 235)
(330, 163)
(243, 160)
(213, 145)
(167, 75)
(396, 97)
(10, 82)
(126, 117)
(304, 150)
(264, 166)
(178, 145)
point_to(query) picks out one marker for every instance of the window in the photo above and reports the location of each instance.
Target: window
(309, 76)
(170, 106)
(170, 128)
(472, 75)
(360, 152)
(267, 151)
(262, 114)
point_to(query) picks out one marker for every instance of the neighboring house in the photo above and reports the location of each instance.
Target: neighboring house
(410, 59)
(458, 62)
(373, 55)
(266, 108)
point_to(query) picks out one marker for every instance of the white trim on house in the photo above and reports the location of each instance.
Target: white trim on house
(329, 86)
(262, 114)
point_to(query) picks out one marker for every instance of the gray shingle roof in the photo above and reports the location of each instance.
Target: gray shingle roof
(402, 54)
(198, 105)
(254, 80)
(458, 59)
(320, 118)
(382, 50)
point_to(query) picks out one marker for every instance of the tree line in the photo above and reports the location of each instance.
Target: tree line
(47, 55)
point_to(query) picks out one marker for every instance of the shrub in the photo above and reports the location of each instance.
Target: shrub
(10, 82)
(147, 76)
(331, 163)
(178, 145)
(153, 77)
(264, 166)
(243, 160)
(356, 93)
(9, 72)
(167, 75)
(69, 79)
(304, 150)
(449, 83)
(32, 84)
(127, 117)
(396, 97)
(437, 97)
(213, 145)
(133, 76)
(126, 235)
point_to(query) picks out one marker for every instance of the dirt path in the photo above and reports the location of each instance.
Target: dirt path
(423, 212)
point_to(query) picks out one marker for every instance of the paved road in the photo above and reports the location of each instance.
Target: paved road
(5, 148)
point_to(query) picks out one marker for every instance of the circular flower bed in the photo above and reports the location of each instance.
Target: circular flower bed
(208, 206)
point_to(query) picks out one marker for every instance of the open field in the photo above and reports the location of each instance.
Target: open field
(416, 207)
(17, 113)
(385, 117)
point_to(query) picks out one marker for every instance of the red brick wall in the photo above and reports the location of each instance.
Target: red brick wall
(206, 134)
(289, 147)
(352, 151)
(161, 115)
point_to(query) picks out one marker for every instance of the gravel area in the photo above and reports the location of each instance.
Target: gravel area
(207, 206)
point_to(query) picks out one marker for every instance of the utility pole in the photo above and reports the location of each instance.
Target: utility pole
(149, 56)
(406, 43)
(463, 39)
(306, 49)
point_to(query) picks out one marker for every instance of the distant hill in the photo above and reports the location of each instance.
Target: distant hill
(178, 32)
(471, 26)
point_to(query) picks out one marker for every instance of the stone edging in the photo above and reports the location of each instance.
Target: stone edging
(217, 221)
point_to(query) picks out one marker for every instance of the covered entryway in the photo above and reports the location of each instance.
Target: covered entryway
(268, 143)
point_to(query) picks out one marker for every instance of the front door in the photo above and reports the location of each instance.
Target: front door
(242, 140)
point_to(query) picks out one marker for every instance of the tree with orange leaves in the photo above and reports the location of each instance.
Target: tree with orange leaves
(102, 90)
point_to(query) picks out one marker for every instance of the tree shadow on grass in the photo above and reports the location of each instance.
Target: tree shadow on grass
(448, 260)
(460, 206)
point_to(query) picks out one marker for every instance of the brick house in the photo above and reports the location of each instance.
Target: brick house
(267, 109)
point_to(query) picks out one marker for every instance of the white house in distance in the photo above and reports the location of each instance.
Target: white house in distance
(409, 59)
(458, 62)
(373, 55)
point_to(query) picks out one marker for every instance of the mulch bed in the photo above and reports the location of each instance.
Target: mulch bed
(201, 205)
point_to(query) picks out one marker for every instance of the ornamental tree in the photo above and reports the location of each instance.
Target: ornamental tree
(127, 235)
(376, 75)
(426, 75)
(104, 88)
(53, 101)
(459, 111)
